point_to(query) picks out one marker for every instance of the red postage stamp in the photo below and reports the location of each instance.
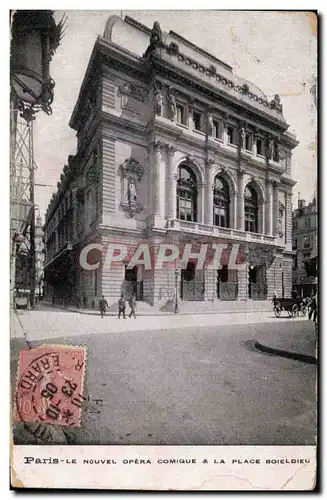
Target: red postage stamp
(49, 385)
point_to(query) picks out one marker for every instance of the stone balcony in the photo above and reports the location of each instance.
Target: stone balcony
(198, 228)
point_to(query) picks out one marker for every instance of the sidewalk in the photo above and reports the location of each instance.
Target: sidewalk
(39, 325)
(143, 309)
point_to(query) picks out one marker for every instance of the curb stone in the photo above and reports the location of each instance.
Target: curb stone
(160, 313)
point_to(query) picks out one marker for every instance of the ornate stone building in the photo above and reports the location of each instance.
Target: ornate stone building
(172, 147)
(305, 246)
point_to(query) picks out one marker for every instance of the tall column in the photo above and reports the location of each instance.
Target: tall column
(254, 146)
(233, 209)
(208, 214)
(275, 208)
(201, 208)
(171, 185)
(240, 214)
(261, 221)
(225, 137)
(156, 177)
(269, 209)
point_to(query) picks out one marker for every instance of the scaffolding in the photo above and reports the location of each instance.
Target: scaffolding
(22, 207)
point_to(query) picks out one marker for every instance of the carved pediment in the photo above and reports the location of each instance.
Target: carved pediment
(132, 167)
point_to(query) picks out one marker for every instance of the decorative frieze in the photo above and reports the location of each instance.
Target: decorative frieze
(136, 91)
(211, 71)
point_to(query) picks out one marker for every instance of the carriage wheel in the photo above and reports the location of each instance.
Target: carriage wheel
(295, 310)
(277, 310)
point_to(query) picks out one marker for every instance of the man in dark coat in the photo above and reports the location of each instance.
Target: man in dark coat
(121, 306)
(313, 309)
(132, 304)
(103, 305)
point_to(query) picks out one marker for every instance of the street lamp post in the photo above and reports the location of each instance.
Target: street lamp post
(34, 39)
(246, 257)
(35, 36)
(32, 225)
(176, 309)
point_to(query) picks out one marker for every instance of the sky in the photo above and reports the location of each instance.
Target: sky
(277, 51)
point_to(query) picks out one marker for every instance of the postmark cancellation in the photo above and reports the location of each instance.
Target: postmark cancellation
(49, 385)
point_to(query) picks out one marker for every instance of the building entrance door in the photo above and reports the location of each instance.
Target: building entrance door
(132, 285)
(227, 284)
(192, 283)
(257, 282)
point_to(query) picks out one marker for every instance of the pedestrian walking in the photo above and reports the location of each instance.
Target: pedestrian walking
(313, 313)
(103, 305)
(121, 306)
(132, 304)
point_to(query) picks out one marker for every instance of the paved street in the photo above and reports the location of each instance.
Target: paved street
(192, 385)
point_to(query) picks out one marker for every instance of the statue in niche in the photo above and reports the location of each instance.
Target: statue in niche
(131, 192)
(210, 124)
(270, 148)
(172, 107)
(277, 151)
(242, 138)
(159, 102)
(281, 211)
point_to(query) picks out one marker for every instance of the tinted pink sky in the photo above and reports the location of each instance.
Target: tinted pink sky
(275, 50)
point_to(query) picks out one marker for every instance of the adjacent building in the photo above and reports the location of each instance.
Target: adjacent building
(24, 275)
(172, 146)
(305, 246)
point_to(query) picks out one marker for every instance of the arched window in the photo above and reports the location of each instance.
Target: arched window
(186, 194)
(220, 202)
(251, 209)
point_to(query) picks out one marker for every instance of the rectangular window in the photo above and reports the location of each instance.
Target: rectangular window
(275, 154)
(250, 226)
(259, 143)
(248, 142)
(306, 242)
(231, 134)
(216, 129)
(180, 114)
(220, 217)
(197, 120)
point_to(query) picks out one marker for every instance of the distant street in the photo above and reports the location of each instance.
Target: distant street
(196, 385)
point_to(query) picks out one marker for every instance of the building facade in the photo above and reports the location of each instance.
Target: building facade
(172, 146)
(305, 246)
(24, 275)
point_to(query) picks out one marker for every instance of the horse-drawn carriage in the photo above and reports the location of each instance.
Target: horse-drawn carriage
(293, 306)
